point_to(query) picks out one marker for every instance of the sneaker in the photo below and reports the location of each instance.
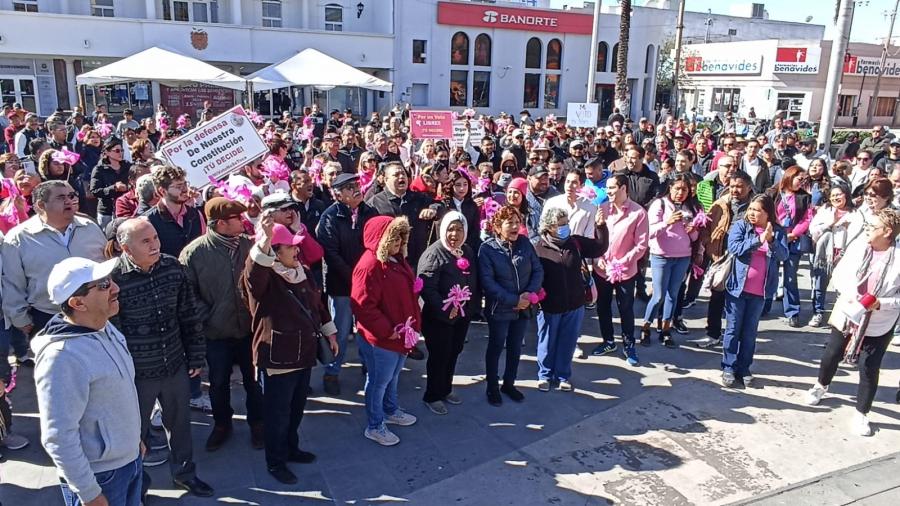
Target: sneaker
(630, 355)
(860, 425)
(748, 381)
(452, 399)
(544, 385)
(896, 340)
(680, 327)
(708, 342)
(645, 336)
(794, 322)
(666, 339)
(158, 441)
(331, 385)
(578, 353)
(382, 435)
(565, 386)
(155, 458)
(400, 418)
(14, 441)
(156, 418)
(605, 348)
(25, 361)
(727, 379)
(817, 320)
(437, 407)
(688, 304)
(814, 395)
(493, 396)
(202, 403)
(512, 393)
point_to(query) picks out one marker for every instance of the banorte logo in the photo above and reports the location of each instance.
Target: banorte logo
(490, 16)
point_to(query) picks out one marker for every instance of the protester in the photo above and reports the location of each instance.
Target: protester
(794, 213)
(109, 180)
(175, 220)
(830, 233)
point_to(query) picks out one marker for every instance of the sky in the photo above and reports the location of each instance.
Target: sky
(869, 22)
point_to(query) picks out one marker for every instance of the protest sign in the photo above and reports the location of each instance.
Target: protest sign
(431, 124)
(476, 131)
(217, 148)
(581, 115)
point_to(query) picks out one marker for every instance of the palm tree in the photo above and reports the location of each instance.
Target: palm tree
(623, 98)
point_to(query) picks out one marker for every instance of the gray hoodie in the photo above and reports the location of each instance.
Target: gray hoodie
(90, 422)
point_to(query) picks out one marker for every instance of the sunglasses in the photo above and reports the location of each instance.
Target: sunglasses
(117, 150)
(863, 159)
(871, 194)
(102, 284)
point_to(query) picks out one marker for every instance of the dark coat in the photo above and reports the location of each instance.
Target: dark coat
(439, 274)
(172, 236)
(410, 205)
(343, 245)
(563, 280)
(103, 186)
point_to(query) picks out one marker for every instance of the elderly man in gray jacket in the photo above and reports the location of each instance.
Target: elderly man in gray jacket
(32, 248)
(84, 377)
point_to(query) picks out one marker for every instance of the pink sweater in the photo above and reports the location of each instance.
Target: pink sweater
(671, 241)
(628, 236)
(782, 211)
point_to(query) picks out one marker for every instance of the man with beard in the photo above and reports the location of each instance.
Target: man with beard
(340, 234)
(539, 190)
(486, 152)
(577, 157)
(643, 184)
(349, 146)
(176, 222)
(330, 145)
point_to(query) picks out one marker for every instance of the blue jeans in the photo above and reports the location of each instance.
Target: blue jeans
(557, 335)
(500, 332)
(820, 289)
(121, 487)
(11, 337)
(339, 306)
(381, 384)
(791, 300)
(668, 275)
(742, 316)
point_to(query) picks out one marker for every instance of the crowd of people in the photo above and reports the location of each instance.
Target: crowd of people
(127, 286)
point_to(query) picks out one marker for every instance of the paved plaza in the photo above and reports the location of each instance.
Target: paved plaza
(663, 433)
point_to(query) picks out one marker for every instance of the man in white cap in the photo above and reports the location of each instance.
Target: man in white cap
(84, 377)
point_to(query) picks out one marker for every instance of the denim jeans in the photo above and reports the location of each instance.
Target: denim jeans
(339, 306)
(791, 300)
(11, 337)
(285, 399)
(742, 324)
(668, 276)
(557, 335)
(381, 384)
(221, 355)
(121, 487)
(820, 289)
(624, 293)
(504, 332)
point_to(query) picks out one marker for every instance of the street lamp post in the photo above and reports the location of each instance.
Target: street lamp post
(884, 50)
(835, 68)
(592, 55)
(679, 30)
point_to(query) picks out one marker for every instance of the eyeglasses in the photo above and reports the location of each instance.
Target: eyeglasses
(102, 284)
(863, 158)
(871, 194)
(70, 196)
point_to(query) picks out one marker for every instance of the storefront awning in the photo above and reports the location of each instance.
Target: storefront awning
(312, 68)
(167, 67)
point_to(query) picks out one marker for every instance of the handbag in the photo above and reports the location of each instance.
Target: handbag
(718, 272)
(323, 348)
(587, 279)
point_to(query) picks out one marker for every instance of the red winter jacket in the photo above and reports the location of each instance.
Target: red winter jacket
(381, 294)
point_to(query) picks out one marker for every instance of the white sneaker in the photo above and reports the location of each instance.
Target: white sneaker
(578, 353)
(400, 418)
(544, 385)
(202, 403)
(815, 394)
(156, 418)
(860, 425)
(14, 441)
(565, 386)
(382, 435)
(896, 340)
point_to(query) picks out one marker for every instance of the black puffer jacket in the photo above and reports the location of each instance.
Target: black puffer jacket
(439, 272)
(343, 245)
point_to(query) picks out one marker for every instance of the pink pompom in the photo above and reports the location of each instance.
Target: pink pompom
(533, 298)
(417, 285)
(462, 263)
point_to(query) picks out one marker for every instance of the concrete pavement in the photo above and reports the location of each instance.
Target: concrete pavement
(662, 433)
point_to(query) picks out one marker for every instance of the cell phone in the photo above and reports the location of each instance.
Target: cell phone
(28, 165)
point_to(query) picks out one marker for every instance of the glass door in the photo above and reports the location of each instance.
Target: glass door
(19, 89)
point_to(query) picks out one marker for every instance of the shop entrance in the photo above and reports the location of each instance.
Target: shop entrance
(19, 89)
(791, 104)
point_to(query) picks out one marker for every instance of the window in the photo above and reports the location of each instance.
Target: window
(614, 61)
(271, 13)
(845, 105)
(649, 61)
(419, 51)
(533, 54)
(483, 50)
(732, 32)
(459, 49)
(726, 99)
(102, 8)
(554, 54)
(884, 106)
(481, 89)
(196, 11)
(459, 82)
(532, 89)
(25, 6)
(551, 91)
(602, 49)
(334, 18)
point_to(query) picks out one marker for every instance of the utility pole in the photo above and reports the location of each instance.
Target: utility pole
(592, 55)
(679, 30)
(709, 22)
(884, 50)
(835, 69)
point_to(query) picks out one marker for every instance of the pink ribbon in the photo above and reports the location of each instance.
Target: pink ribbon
(182, 120)
(65, 156)
(255, 118)
(457, 298)
(162, 123)
(417, 285)
(407, 333)
(315, 171)
(587, 193)
(469, 113)
(615, 270)
(276, 169)
(540, 295)
(12, 381)
(483, 185)
(104, 129)
(462, 263)
(697, 271)
(701, 220)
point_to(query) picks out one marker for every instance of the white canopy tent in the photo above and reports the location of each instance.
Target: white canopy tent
(312, 68)
(167, 67)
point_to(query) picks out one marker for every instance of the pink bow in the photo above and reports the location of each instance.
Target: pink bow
(80, 135)
(534, 298)
(502, 123)
(417, 285)
(469, 113)
(462, 263)
(182, 120)
(12, 381)
(457, 298)
(615, 270)
(483, 185)
(255, 118)
(315, 171)
(697, 271)
(276, 169)
(104, 129)
(549, 118)
(65, 156)
(162, 123)
(587, 193)
(408, 333)
(701, 220)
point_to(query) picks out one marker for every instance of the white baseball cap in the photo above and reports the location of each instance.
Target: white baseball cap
(70, 274)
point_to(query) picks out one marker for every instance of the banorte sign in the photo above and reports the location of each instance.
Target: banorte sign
(508, 18)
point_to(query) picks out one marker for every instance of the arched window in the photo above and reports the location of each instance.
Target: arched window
(483, 50)
(602, 50)
(649, 62)
(614, 61)
(533, 54)
(459, 49)
(554, 54)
